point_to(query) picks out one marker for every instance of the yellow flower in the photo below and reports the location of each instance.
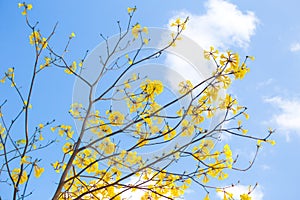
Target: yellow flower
(129, 59)
(206, 197)
(110, 148)
(21, 141)
(38, 171)
(272, 142)
(245, 197)
(259, 143)
(24, 160)
(137, 29)
(34, 38)
(146, 41)
(57, 166)
(29, 106)
(228, 102)
(179, 24)
(26, 7)
(93, 167)
(187, 128)
(205, 179)
(29, 6)
(179, 113)
(72, 35)
(145, 29)
(210, 112)
(44, 43)
(126, 84)
(107, 146)
(134, 77)
(225, 80)
(41, 137)
(240, 72)
(246, 115)
(67, 148)
(169, 133)
(228, 154)
(16, 173)
(72, 68)
(66, 129)
(75, 109)
(203, 151)
(185, 87)
(231, 59)
(211, 53)
(132, 158)
(116, 118)
(130, 10)
(152, 88)
(53, 128)
(197, 118)
(41, 126)
(251, 57)
(3, 79)
(2, 130)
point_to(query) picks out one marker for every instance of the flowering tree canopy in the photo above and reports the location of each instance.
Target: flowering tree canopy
(108, 152)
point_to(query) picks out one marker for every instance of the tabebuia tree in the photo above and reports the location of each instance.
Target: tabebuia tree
(139, 130)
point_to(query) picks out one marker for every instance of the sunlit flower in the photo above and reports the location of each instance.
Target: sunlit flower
(26, 7)
(131, 9)
(187, 128)
(245, 197)
(211, 53)
(178, 23)
(38, 171)
(116, 118)
(137, 29)
(185, 87)
(67, 148)
(16, 173)
(72, 68)
(72, 35)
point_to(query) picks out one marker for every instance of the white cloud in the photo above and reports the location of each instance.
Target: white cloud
(288, 117)
(223, 25)
(295, 47)
(265, 83)
(265, 167)
(237, 190)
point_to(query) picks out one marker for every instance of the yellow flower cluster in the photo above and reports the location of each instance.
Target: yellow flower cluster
(179, 23)
(64, 130)
(152, 88)
(26, 7)
(71, 69)
(47, 63)
(137, 30)
(35, 38)
(10, 75)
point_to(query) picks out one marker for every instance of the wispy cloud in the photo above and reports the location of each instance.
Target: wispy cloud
(295, 47)
(288, 117)
(237, 190)
(265, 83)
(222, 25)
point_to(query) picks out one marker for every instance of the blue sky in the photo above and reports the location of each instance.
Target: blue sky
(268, 30)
